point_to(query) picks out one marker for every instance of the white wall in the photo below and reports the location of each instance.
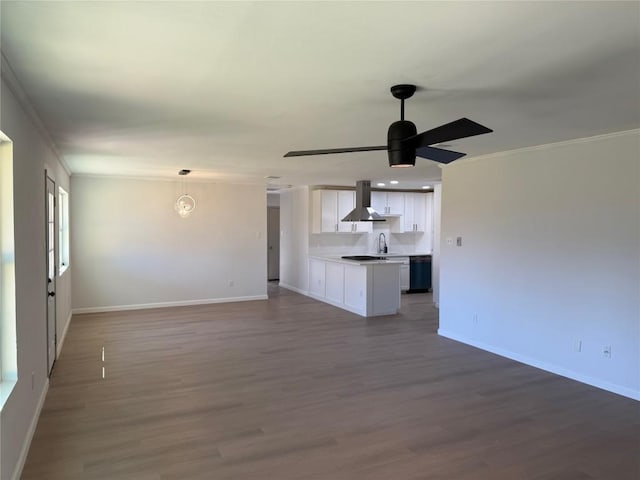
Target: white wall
(550, 257)
(294, 239)
(130, 248)
(32, 154)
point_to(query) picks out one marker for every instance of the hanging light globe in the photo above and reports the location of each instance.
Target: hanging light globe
(185, 205)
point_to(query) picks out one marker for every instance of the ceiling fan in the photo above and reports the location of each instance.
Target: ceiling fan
(404, 143)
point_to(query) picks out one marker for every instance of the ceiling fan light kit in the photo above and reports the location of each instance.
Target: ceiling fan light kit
(403, 141)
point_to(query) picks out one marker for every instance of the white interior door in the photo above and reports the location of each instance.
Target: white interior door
(273, 243)
(50, 215)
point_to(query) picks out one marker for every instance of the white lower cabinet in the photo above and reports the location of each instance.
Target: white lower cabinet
(368, 289)
(405, 278)
(317, 277)
(334, 281)
(355, 286)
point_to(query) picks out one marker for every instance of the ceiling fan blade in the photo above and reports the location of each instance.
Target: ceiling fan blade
(301, 153)
(438, 154)
(461, 128)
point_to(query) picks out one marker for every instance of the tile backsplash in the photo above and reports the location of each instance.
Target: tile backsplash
(346, 243)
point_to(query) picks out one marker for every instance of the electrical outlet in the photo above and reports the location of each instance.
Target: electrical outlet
(606, 351)
(449, 241)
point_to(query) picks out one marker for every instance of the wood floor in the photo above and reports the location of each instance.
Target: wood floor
(291, 388)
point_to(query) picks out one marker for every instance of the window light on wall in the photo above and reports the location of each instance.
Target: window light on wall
(8, 351)
(63, 230)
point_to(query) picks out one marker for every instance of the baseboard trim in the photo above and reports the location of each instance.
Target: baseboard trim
(293, 289)
(594, 382)
(183, 303)
(63, 336)
(17, 472)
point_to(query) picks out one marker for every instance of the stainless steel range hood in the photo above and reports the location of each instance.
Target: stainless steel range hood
(363, 211)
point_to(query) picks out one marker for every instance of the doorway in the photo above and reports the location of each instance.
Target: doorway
(50, 239)
(273, 243)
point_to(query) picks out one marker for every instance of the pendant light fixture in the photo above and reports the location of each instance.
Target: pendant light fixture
(185, 204)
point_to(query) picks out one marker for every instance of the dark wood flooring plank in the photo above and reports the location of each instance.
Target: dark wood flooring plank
(291, 388)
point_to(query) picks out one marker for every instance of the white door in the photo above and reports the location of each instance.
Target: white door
(273, 243)
(50, 215)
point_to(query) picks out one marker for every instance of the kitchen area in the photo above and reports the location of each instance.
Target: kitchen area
(363, 265)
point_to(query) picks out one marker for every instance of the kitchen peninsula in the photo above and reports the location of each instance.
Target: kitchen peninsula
(367, 287)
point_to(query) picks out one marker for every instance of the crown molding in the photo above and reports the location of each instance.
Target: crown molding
(546, 146)
(9, 76)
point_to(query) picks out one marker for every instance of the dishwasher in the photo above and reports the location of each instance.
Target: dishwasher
(419, 274)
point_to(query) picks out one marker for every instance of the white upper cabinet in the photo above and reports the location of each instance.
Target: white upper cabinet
(379, 202)
(346, 203)
(328, 211)
(418, 212)
(395, 202)
(388, 203)
(407, 211)
(330, 207)
(428, 226)
(415, 208)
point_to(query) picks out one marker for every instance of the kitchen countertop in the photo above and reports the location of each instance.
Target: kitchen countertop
(390, 257)
(394, 254)
(338, 259)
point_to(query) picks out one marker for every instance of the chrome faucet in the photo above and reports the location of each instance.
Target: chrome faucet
(382, 243)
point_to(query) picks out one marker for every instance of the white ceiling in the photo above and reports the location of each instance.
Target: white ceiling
(226, 88)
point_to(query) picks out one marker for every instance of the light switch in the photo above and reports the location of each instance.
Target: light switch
(459, 241)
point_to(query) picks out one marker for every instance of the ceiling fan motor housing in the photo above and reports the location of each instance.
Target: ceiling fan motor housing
(401, 153)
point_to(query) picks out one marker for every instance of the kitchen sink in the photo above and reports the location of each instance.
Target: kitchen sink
(363, 258)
